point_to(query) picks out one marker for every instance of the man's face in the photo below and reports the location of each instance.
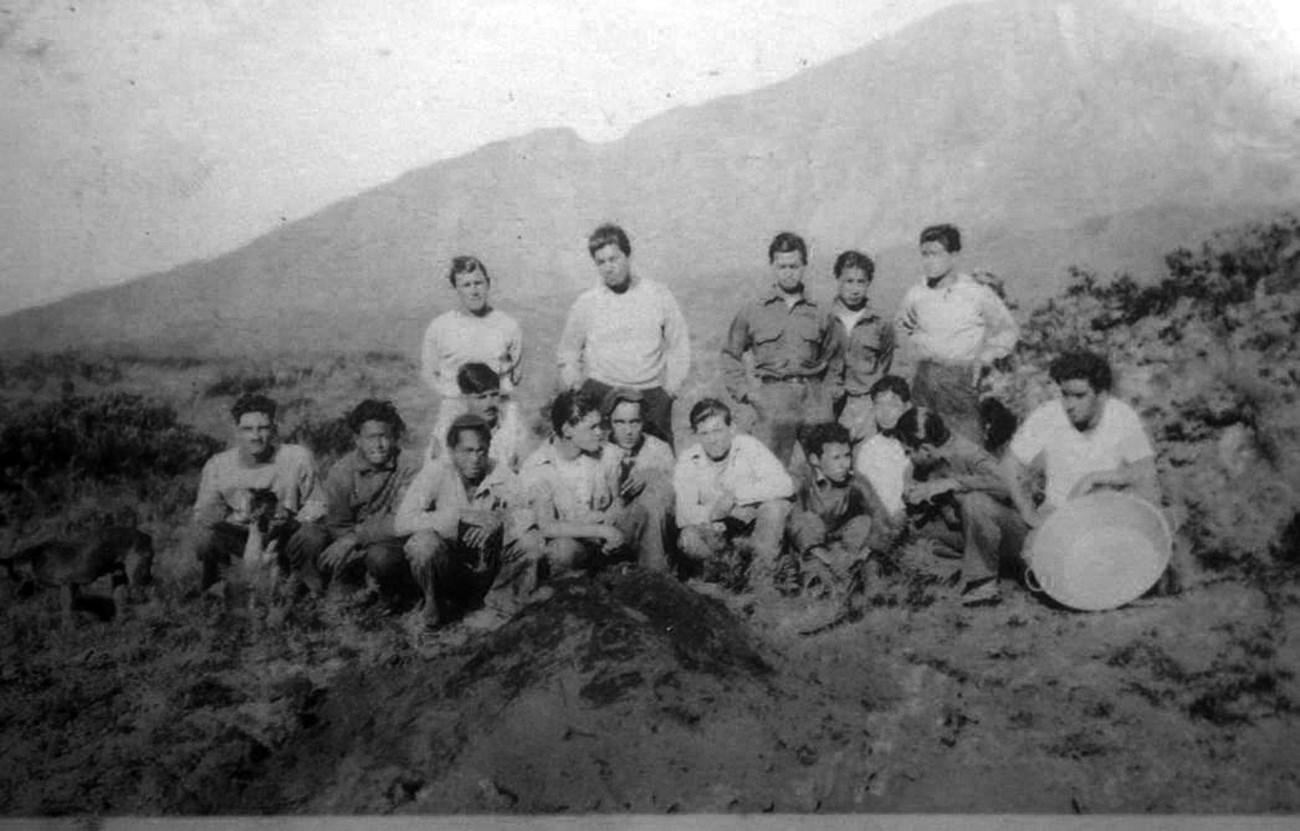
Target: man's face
(835, 462)
(887, 407)
(486, 405)
(625, 424)
(470, 455)
(254, 433)
(935, 260)
(853, 285)
(715, 436)
(587, 434)
(1082, 403)
(472, 287)
(375, 441)
(787, 269)
(923, 457)
(613, 265)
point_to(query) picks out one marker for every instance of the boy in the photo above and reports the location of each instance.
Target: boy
(868, 343)
(956, 327)
(882, 458)
(729, 486)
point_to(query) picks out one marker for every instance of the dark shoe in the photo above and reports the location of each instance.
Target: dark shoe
(982, 593)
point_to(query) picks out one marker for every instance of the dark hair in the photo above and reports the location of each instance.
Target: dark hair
(946, 235)
(1089, 366)
(477, 378)
(784, 243)
(619, 395)
(817, 436)
(467, 265)
(252, 402)
(570, 407)
(921, 425)
(855, 259)
(892, 383)
(999, 424)
(609, 234)
(468, 422)
(708, 408)
(372, 409)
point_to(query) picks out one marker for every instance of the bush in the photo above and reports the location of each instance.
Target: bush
(236, 383)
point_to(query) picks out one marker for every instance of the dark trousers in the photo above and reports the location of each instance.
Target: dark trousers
(656, 407)
(383, 560)
(953, 393)
(781, 407)
(217, 546)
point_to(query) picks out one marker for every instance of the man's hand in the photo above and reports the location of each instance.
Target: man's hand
(722, 507)
(925, 491)
(483, 524)
(910, 321)
(339, 553)
(613, 538)
(633, 485)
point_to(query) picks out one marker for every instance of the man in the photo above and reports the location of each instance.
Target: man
(882, 459)
(957, 497)
(476, 332)
(956, 327)
(1086, 440)
(645, 473)
(627, 331)
(729, 488)
(256, 462)
(361, 493)
(837, 517)
(572, 487)
(794, 344)
(868, 343)
(481, 395)
(469, 543)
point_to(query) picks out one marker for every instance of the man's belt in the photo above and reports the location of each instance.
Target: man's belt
(789, 379)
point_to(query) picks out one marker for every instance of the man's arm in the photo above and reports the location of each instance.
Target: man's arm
(209, 507)
(834, 345)
(1000, 329)
(424, 507)
(677, 345)
(542, 503)
(688, 490)
(572, 341)
(759, 475)
(1140, 477)
(734, 376)
(514, 368)
(429, 349)
(1017, 477)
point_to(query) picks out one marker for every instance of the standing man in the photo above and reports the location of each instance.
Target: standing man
(627, 331)
(795, 345)
(868, 344)
(956, 327)
(257, 462)
(1085, 440)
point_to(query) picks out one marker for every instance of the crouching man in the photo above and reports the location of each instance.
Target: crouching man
(572, 486)
(256, 463)
(361, 491)
(957, 496)
(469, 544)
(645, 474)
(838, 518)
(730, 488)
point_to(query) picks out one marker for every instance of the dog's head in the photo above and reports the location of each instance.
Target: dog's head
(255, 507)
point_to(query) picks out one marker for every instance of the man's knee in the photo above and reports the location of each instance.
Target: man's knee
(386, 561)
(563, 553)
(307, 543)
(424, 547)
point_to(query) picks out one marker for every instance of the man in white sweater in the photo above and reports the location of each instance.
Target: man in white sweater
(626, 331)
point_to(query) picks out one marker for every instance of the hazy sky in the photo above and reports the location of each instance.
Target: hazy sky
(139, 134)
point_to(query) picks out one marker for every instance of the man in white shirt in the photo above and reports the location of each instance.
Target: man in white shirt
(474, 333)
(730, 486)
(1086, 440)
(627, 331)
(956, 326)
(882, 458)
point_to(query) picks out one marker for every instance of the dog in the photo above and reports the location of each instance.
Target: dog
(259, 509)
(125, 553)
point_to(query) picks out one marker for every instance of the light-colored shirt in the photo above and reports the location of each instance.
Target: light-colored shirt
(1069, 455)
(437, 495)
(750, 473)
(635, 339)
(961, 323)
(289, 473)
(884, 462)
(456, 338)
(654, 454)
(581, 489)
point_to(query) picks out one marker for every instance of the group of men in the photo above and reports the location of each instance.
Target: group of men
(839, 460)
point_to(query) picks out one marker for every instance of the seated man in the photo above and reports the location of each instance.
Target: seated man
(361, 492)
(256, 462)
(1086, 439)
(957, 497)
(481, 395)
(837, 518)
(469, 542)
(882, 457)
(728, 487)
(572, 486)
(646, 472)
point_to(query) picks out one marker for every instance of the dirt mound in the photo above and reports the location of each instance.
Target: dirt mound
(626, 692)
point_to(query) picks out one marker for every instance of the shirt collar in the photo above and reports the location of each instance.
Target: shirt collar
(865, 313)
(365, 468)
(774, 294)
